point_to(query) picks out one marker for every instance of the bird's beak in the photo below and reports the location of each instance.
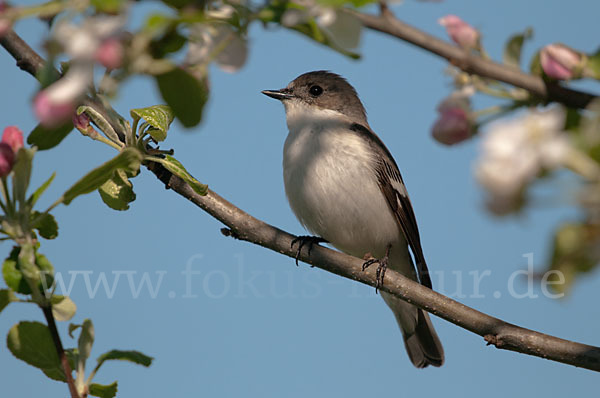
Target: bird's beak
(280, 95)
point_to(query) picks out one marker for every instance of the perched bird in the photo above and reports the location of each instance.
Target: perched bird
(344, 186)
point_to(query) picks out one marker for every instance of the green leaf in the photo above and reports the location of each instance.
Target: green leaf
(45, 224)
(185, 94)
(535, 66)
(512, 49)
(102, 391)
(31, 272)
(175, 167)
(159, 117)
(13, 272)
(572, 119)
(38, 192)
(55, 374)
(588, 130)
(108, 6)
(73, 327)
(7, 296)
(63, 308)
(120, 355)
(117, 192)
(129, 159)
(32, 342)
(84, 344)
(45, 138)
(45, 270)
(156, 134)
(47, 74)
(22, 173)
(170, 42)
(72, 354)
(593, 64)
(156, 22)
(177, 3)
(574, 252)
(26, 264)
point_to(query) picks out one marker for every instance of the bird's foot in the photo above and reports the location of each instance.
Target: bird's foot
(381, 268)
(304, 240)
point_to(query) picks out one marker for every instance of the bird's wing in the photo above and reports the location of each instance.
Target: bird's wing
(394, 190)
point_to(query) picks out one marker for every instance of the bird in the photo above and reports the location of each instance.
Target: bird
(344, 186)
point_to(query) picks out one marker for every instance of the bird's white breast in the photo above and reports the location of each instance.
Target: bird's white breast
(331, 184)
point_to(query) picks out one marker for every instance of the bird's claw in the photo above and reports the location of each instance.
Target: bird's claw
(303, 240)
(381, 268)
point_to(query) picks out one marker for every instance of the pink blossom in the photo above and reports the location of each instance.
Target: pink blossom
(7, 159)
(560, 62)
(52, 113)
(13, 136)
(452, 126)
(460, 32)
(56, 103)
(110, 53)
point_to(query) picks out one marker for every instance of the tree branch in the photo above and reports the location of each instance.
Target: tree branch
(387, 23)
(27, 59)
(495, 331)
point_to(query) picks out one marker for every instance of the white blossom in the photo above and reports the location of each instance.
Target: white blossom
(80, 43)
(514, 152)
(218, 42)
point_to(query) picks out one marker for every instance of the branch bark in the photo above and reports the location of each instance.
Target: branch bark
(243, 226)
(60, 350)
(387, 23)
(501, 334)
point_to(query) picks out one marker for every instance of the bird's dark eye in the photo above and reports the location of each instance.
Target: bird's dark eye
(315, 90)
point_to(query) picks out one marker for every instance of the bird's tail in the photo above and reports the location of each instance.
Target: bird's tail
(420, 339)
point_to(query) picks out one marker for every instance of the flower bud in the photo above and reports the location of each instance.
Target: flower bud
(51, 113)
(7, 159)
(13, 136)
(81, 122)
(110, 53)
(452, 126)
(561, 62)
(460, 32)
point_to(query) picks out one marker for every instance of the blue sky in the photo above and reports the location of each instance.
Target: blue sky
(251, 323)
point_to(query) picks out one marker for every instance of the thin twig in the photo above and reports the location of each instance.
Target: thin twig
(545, 91)
(60, 350)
